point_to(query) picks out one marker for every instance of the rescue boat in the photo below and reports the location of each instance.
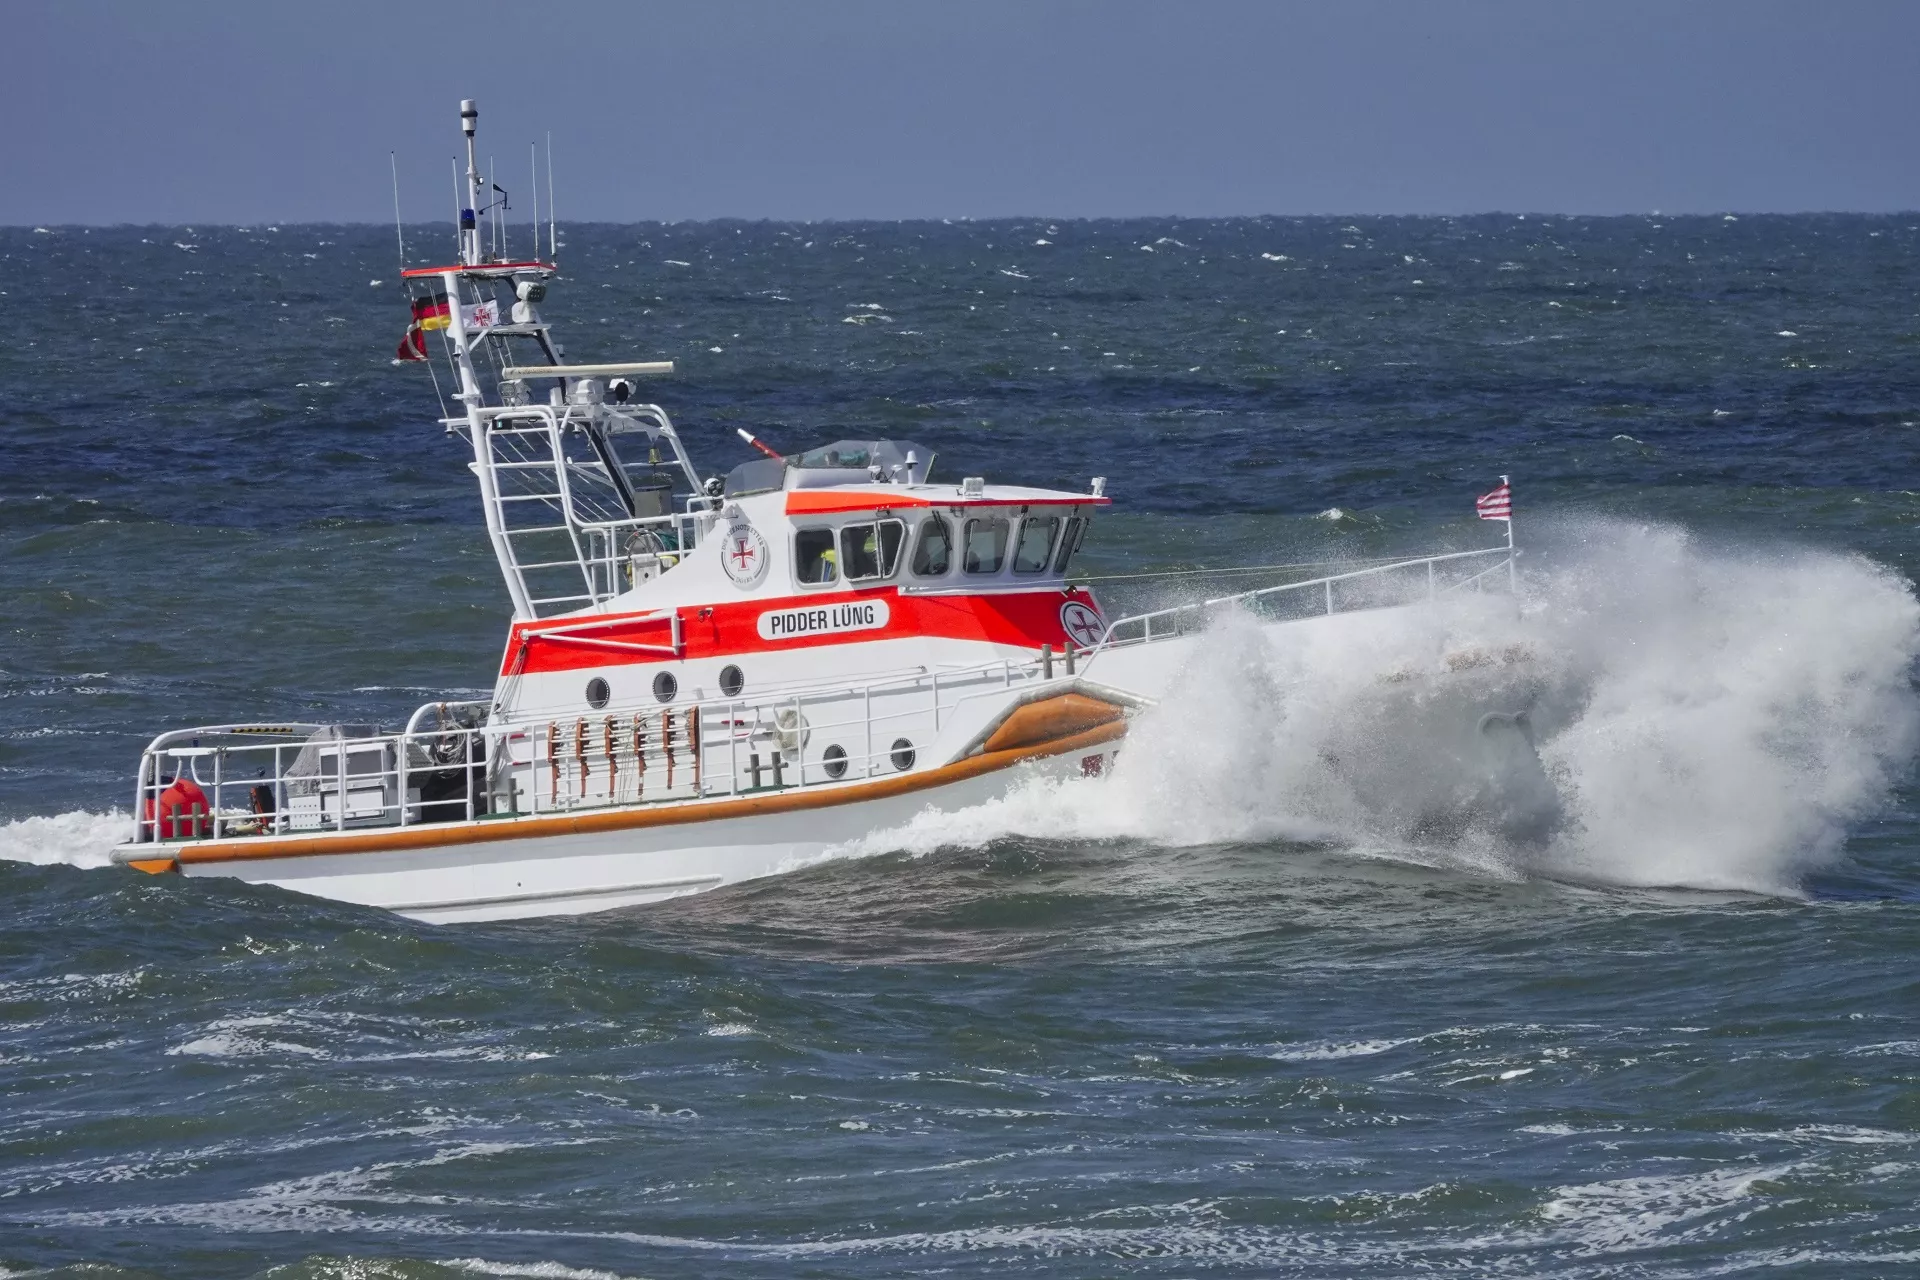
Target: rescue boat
(707, 677)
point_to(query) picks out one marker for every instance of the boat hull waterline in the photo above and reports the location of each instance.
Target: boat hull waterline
(598, 860)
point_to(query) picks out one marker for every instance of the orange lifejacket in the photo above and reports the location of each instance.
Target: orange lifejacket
(183, 810)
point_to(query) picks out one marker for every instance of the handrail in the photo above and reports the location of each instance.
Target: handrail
(541, 764)
(289, 728)
(413, 721)
(597, 642)
(1326, 583)
(599, 624)
(514, 372)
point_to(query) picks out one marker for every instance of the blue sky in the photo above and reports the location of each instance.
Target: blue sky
(193, 111)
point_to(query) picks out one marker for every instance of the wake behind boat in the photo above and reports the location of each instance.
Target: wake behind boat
(707, 678)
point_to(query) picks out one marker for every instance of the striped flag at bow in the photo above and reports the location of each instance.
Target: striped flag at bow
(1497, 505)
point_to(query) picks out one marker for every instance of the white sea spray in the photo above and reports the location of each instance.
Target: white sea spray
(1704, 717)
(79, 839)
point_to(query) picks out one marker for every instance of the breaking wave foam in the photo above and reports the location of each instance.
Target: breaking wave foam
(77, 839)
(1666, 714)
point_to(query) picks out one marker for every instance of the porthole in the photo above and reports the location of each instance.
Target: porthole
(598, 693)
(732, 681)
(665, 686)
(902, 754)
(833, 761)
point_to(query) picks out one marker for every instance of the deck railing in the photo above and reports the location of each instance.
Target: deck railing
(277, 779)
(1398, 582)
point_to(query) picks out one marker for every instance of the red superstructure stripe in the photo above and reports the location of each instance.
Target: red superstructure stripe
(1027, 619)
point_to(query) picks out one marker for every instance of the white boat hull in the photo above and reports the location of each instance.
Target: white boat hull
(502, 877)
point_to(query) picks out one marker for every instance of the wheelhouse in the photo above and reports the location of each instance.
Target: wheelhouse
(939, 548)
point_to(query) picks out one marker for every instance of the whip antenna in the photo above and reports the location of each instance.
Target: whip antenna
(758, 443)
(397, 234)
(553, 235)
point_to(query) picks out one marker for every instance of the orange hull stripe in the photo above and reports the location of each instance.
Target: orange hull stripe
(823, 502)
(1051, 719)
(414, 273)
(796, 801)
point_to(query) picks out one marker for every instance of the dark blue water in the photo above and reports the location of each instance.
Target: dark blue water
(1239, 1015)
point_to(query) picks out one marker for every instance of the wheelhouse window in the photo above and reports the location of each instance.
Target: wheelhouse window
(933, 549)
(1069, 543)
(1031, 553)
(869, 552)
(986, 547)
(813, 558)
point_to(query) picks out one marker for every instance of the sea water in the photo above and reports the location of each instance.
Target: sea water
(1276, 997)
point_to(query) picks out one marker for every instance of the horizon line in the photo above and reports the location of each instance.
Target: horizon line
(937, 220)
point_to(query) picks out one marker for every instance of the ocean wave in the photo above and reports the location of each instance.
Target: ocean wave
(1330, 1051)
(1705, 718)
(534, 1270)
(77, 839)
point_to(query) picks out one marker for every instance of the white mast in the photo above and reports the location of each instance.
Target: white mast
(470, 256)
(469, 217)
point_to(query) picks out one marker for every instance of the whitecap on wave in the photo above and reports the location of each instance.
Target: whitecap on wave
(533, 1270)
(77, 839)
(1333, 1051)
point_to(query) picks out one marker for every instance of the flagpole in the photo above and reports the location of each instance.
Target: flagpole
(1513, 573)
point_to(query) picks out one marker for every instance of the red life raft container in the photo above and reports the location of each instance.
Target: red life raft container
(184, 813)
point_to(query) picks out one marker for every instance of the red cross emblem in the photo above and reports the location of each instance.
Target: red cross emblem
(1082, 624)
(743, 556)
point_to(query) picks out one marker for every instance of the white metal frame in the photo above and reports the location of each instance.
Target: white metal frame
(520, 457)
(1116, 634)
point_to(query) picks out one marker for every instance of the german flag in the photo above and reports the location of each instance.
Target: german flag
(433, 312)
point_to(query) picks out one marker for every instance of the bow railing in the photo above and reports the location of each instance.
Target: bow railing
(1377, 586)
